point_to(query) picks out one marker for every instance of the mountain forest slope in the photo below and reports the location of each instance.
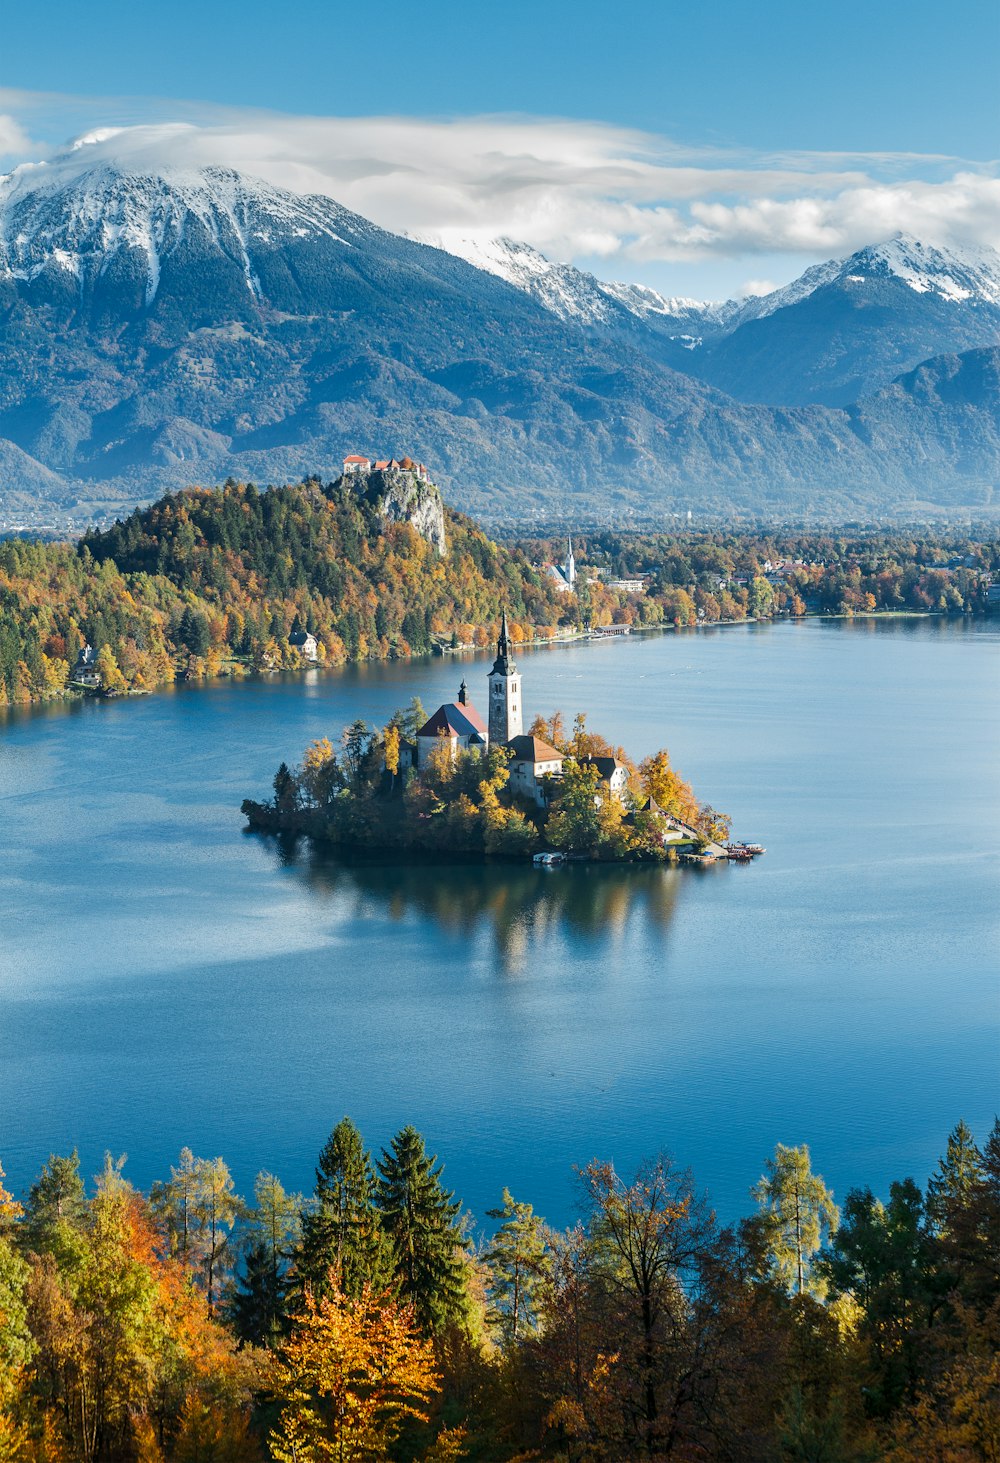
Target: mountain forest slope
(208, 581)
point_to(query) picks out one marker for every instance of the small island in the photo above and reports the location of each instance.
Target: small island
(458, 784)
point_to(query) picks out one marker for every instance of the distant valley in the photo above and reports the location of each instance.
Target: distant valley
(163, 330)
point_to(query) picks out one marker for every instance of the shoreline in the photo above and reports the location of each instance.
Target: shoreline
(74, 695)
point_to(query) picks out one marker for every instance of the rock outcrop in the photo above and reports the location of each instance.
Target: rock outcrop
(402, 496)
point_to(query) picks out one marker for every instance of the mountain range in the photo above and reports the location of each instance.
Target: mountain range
(164, 328)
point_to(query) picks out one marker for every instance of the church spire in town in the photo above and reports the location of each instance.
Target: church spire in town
(570, 571)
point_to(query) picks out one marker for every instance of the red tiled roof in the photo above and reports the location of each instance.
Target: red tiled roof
(355, 458)
(452, 720)
(533, 749)
(381, 466)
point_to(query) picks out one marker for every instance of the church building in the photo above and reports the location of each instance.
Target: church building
(532, 760)
(505, 692)
(457, 721)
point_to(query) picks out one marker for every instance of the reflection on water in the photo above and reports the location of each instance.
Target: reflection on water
(165, 979)
(519, 908)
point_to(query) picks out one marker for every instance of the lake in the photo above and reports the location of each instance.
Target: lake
(168, 979)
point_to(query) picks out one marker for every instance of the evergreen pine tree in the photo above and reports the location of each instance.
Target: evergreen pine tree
(420, 1218)
(343, 1244)
(257, 1306)
(959, 1172)
(57, 1196)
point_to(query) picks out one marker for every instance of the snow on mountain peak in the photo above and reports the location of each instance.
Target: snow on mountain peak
(74, 215)
(956, 274)
(571, 293)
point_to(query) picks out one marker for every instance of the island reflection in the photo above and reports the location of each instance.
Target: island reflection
(515, 905)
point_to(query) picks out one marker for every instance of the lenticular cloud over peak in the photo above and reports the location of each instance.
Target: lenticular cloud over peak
(569, 189)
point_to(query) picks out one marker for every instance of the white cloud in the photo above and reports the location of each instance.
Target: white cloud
(14, 141)
(572, 189)
(757, 287)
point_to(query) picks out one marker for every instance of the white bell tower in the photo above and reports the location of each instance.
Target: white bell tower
(569, 573)
(505, 693)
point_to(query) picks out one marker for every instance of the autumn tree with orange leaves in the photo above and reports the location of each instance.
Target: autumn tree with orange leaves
(355, 1374)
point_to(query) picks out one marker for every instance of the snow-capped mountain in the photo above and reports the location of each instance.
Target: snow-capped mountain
(56, 219)
(843, 328)
(574, 294)
(852, 325)
(161, 327)
(961, 276)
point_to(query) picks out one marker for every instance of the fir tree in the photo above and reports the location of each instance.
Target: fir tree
(959, 1172)
(57, 1196)
(257, 1307)
(343, 1246)
(420, 1218)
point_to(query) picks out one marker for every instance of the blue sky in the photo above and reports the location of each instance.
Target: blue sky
(777, 102)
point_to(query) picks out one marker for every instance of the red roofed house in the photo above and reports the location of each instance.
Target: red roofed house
(358, 464)
(532, 761)
(458, 723)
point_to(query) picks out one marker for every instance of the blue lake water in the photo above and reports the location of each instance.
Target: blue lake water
(167, 979)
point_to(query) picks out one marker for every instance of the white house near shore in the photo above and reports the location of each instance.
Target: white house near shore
(533, 760)
(305, 644)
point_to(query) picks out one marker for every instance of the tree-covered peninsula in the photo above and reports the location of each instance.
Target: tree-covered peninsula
(227, 580)
(373, 1319)
(374, 566)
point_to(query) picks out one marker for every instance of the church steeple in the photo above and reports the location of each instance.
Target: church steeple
(570, 570)
(505, 691)
(503, 664)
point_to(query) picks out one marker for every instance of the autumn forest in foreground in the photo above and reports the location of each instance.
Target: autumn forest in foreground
(374, 1320)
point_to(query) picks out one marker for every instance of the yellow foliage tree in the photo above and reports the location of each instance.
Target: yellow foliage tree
(352, 1377)
(390, 744)
(10, 1209)
(667, 788)
(109, 671)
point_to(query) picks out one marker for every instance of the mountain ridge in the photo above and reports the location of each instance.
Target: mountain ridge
(159, 330)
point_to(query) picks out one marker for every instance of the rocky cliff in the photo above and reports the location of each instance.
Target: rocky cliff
(401, 496)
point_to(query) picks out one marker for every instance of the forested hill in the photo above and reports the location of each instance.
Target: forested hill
(363, 585)
(203, 581)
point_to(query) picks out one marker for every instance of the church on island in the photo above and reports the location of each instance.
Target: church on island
(459, 722)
